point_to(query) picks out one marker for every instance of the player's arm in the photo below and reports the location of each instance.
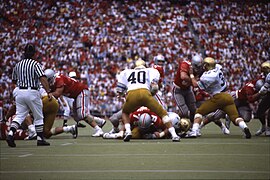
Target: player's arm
(58, 92)
(192, 77)
(63, 101)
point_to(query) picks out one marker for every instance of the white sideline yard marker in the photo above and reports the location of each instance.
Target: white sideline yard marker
(66, 144)
(25, 155)
(137, 171)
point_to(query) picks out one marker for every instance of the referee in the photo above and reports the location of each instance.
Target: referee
(27, 75)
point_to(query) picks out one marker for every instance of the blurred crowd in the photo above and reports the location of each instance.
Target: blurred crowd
(99, 38)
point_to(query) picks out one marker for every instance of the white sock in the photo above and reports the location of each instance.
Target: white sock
(127, 127)
(32, 128)
(67, 129)
(242, 124)
(97, 127)
(10, 133)
(172, 131)
(195, 127)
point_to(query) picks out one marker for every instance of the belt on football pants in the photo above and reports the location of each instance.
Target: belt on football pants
(34, 88)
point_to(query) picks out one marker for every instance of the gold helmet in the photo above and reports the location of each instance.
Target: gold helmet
(139, 64)
(209, 63)
(266, 67)
(185, 124)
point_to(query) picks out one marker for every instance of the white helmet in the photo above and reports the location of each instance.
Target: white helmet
(175, 120)
(196, 61)
(145, 121)
(72, 74)
(50, 74)
(159, 59)
(259, 83)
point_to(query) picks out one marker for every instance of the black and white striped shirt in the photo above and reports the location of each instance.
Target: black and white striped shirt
(27, 73)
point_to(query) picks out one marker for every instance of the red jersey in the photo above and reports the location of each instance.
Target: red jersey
(72, 87)
(161, 72)
(20, 134)
(247, 91)
(183, 66)
(134, 118)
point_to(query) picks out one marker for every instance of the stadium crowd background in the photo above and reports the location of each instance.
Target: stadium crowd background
(99, 38)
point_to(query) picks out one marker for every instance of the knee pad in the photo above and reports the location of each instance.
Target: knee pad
(197, 115)
(237, 120)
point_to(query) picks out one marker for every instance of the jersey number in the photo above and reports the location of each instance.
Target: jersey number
(221, 77)
(139, 78)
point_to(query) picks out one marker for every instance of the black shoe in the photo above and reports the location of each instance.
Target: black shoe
(81, 125)
(127, 137)
(247, 133)
(42, 143)
(10, 141)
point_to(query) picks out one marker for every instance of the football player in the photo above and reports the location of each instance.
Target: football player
(182, 90)
(264, 104)
(141, 84)
(244, 98)
(64, 85)
(213, 82)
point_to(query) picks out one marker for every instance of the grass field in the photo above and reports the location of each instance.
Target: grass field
(212, 156)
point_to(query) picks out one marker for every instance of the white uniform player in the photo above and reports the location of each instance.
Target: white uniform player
(213, 81)
(141, 84)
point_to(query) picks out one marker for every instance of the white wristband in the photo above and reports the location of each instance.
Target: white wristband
(191, 76)
(162, 134)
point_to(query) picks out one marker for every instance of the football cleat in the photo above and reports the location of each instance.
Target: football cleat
(31, 136)
(267, 132)
(176, 139)
(42, 143)
(112, 136)
(224, 130)
(127, 137)
(247, 133)
(74, 131)
(98, 133)
(10, 141)
(260, 131)
(191, 134)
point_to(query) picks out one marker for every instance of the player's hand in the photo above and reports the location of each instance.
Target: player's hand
(50, 96)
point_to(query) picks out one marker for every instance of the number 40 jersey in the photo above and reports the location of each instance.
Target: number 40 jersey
(131, 79)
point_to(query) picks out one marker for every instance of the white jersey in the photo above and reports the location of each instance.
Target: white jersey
(213, 81)
(131, 79)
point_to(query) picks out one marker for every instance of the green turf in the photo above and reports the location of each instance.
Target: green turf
(212, 156)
